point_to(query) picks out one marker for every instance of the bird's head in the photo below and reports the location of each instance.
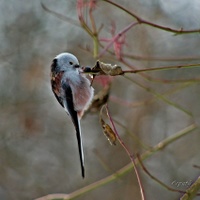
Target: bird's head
(65, 62)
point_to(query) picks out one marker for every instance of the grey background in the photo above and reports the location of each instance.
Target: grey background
(38, 149)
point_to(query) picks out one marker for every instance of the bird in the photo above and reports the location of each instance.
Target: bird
(73, 91)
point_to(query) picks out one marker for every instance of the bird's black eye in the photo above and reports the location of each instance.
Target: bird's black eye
(71, 63)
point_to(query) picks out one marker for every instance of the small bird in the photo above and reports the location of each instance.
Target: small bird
(73, 91)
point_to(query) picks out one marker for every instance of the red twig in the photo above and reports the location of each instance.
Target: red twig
(142, 21)
(116, 37)
(128, 152)
(157, 180)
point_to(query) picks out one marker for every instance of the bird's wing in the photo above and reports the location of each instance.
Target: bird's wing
(56, 85)
(69, 107)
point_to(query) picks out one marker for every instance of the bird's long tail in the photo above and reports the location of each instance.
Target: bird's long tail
(69, 108)
(80, 147)
(76, 122)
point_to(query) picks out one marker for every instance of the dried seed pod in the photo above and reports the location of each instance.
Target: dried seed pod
(108, 132)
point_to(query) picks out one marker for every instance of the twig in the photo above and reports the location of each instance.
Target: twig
(142, 21)
(134, 136)
(95, 70)
(192, 190)
(196, 166)
(156, 58)
(161, 97)
(116, 37)
(128, 152)
(93, 33)
(60, 16)
(149, 58)
(155, 179)
(161, 68)
(79, 8)
(123, 170)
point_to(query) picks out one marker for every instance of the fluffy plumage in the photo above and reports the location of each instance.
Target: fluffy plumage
(73, 91)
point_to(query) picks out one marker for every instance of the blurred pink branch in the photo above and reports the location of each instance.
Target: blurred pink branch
(115, 39)
(128, 152)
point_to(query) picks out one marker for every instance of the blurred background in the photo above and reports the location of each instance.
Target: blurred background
(38, 147)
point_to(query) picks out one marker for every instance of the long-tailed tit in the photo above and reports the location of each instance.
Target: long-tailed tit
(73, 91)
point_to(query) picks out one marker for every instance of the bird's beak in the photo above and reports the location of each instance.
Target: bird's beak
(77, 66)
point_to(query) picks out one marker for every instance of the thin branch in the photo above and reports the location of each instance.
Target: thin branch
(161, 97)
(128, 152)
(196, 166)
(94, 29)
(99, 68)
(135, 71)
(60, 16)
(134, 136)
(149, 100)
(116, 37)
(123, 170)
(92, 32)
(168, 81)
(192, 190)
(142, 21)
(144, 58)
(155, 179)
(79, 7)
(150, 78)
(156, 58)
